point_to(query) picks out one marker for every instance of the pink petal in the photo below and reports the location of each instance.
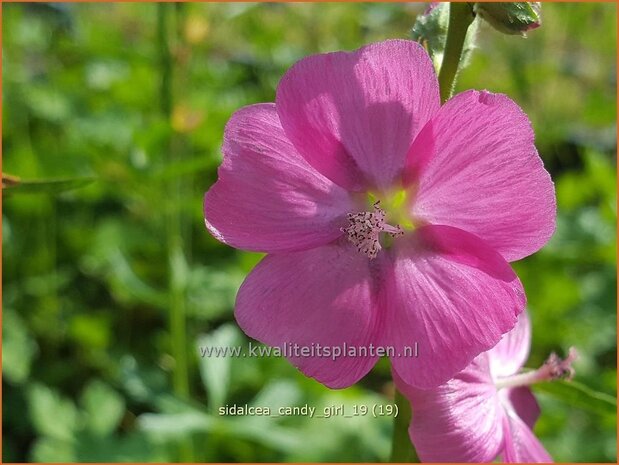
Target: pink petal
(460, 421)
(354, 115)
(512, 351)
(323, 296)
(521, 445)
(452, 295)
(267, 197)
(523, 403)
(475, 167)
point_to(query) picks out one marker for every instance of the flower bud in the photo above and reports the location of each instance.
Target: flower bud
(511, 17)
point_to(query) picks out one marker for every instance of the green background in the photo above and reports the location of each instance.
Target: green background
(110, 280)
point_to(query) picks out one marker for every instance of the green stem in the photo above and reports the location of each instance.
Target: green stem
(402, 450)
(165, 59)
(460, 18)
(173, 231)
(173, 242)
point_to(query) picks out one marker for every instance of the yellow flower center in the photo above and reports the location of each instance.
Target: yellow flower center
(382, 213)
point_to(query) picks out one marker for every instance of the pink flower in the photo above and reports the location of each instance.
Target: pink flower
(486, 410)
(461, 191)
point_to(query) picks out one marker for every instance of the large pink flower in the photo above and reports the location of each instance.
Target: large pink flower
(461, 191)
(486, 410)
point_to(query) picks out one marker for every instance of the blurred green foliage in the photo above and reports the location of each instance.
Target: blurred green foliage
(110, 286)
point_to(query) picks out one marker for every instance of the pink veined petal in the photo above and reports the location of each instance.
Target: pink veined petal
(267, 197)
(474, 166)
(520, 444)
(522, 402)
(512, 351)
(353, 115)
(459, 421)
(324, 296)
(453, 296)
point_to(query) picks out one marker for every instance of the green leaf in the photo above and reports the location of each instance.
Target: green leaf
(215, 370)
(278, 393)
(51, 414)
(133, 446)
(48, 450)
(103, 407)
(175, 425)
(48, 186)
(580, 396)
(18, 347)
(48, 102)
(265, 433)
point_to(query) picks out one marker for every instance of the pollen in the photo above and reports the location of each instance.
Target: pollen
(365, 227)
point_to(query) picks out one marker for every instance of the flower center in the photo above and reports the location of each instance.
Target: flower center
(553, 368)
(365, 227)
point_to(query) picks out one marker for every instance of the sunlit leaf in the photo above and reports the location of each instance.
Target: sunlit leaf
(131, 447)
(175, 425)
(103, 407)
(50, 450)
(52, 415)
(18, 347)
(215, 368)
(271, 435)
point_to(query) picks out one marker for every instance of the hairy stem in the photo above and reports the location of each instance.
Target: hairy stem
(460, 18)
(402, 450)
